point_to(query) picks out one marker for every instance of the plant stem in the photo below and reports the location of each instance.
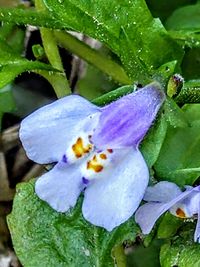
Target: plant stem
(59, 80)
(117, 93)
(92, 56)
(113, 95)
(190, 93)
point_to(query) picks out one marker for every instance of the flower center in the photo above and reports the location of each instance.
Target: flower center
(180, 213)
(96, 164)
(79, 148)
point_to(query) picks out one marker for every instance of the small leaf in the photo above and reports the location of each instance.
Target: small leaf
(165, 71)
(44, 237)
(168, 226)
(152, 143)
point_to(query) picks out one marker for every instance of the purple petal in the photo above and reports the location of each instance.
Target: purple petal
(60, 187)
(124, 122)
(46, 133)
(162, 192)
(113, 199)
(147, 214)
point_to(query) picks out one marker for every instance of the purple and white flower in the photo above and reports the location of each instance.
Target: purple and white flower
(166, 196)
(96, 151)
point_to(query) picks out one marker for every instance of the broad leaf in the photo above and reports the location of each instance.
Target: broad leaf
(173, 114)
(44, 237)
(183, 25)
(185, 18)
(142, 44)
(163, 9)
(179, 159)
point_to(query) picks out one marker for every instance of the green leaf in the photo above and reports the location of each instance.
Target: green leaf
(143, 45)
(11, 65)
(92, 56)
(181, 251)
(165, 71)
(7, 103)
(168, 226)
(179, 158)
(185, 18)
(44, 237)
(29, 16)
(192, 112)
(173, 114)
(152, 143)
(163, 9)
(184, 25)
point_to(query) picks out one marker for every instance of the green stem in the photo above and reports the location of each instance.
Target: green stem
(119, 256)
(190, 93)
(92, 56)
(117, 93)
(52, 53)
(113, 95)
(57, 81)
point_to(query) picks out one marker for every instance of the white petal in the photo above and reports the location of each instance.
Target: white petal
(162, 192)
(60, 187)
(113, 199)
(46, 133)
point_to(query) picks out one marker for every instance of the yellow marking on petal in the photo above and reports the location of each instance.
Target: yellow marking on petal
(103, 156)
(94, 165)
(79, 149)
(180, 213)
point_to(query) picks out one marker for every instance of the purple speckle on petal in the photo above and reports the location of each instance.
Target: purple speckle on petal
(64, 158)
(85, 181)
